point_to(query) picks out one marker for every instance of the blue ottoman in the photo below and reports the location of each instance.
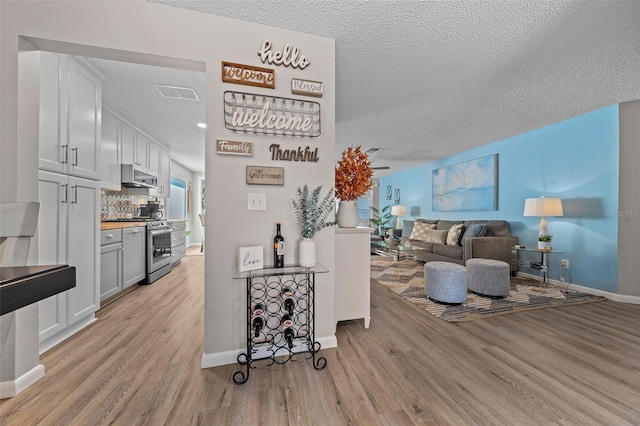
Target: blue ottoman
(489, 277)
(445, 282)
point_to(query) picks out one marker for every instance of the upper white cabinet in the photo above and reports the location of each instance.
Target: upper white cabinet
(111, 155)
(70, 111)
(128, 144)
(142, 150)
(160, 165)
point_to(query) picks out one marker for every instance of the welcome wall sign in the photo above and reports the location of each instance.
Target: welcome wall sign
(248, 75)
(271, 115)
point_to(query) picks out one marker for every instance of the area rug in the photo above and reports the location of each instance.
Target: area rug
(406, 278)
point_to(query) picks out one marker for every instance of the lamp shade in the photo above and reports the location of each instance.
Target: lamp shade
(398, 210)
(543, 207)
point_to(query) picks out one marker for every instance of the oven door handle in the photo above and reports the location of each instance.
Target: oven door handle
(159, 232)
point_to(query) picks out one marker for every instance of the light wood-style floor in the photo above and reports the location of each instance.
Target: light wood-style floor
(140, 364)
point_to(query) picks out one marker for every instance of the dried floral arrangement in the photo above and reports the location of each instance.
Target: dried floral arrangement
(312, 210)
(353, 174)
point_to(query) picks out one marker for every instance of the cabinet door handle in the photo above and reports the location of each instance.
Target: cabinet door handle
(135, 231)
(75, 197)
(109, 236)
(75, 163)
(65, 191)
(65, 156)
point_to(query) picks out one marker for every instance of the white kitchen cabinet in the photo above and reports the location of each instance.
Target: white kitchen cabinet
(142, 150)
(134, 266)
(68, 234)
(70, 116)
(178, 240)
(128, 144)
(164, 178)
(110, 263)
(111, 155)
(160, 165)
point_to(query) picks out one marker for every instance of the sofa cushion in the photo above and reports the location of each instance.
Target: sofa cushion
(454, 252)
(437, 236)
(422, 245)
(454, 234)
(420, 229)
(495, 228)
(471, 231)
(446, 224)
(407, 227)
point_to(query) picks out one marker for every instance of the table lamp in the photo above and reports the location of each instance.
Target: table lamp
(543, 207)
(398, 211)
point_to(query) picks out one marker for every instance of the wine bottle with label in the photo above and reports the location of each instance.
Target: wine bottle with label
(289, 335)
(257, 324)
(278, 248)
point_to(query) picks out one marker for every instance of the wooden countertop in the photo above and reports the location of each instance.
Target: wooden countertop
(105, 226)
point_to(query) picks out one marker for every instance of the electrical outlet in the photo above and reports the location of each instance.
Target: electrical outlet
(564, 263)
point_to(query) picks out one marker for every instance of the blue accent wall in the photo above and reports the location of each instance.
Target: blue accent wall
(576, 160)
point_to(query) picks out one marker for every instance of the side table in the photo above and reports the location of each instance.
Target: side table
(542, 266)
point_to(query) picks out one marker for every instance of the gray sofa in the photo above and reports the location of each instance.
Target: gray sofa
(496, 241)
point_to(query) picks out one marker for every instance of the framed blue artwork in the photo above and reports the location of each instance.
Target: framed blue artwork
(468, 186)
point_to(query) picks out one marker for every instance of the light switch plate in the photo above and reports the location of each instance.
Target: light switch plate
(257, 201)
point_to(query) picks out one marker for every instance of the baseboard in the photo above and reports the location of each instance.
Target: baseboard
(66, 333)
(635, 300)
(231, 357)
(13, 388)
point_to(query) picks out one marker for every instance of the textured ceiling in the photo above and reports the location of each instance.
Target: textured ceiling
(427, 79)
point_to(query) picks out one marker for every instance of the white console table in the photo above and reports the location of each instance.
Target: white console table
(353, 273)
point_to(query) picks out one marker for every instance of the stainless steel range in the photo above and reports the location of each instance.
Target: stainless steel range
(158, 249)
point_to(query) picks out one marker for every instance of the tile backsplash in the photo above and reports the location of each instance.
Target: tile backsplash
(120, 204)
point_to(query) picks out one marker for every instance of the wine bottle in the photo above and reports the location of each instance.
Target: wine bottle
(289, 305)
(258, 309)
(289, 335)
(257, 324)
(278, 248)
(286, 321)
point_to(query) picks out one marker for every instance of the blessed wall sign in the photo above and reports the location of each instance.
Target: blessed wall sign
(271, 115)
(248, 75)
(306, 87)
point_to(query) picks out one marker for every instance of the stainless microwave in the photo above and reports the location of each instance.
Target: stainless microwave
(134, 177)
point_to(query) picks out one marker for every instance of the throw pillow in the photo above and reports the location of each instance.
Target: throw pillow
(477, 230)
(407, 227)
(436, 236)
(420, 229)
(454, 234)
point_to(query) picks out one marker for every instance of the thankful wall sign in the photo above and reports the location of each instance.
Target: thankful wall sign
(271, 115)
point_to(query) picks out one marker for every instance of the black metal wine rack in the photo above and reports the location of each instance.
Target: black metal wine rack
(270, 344)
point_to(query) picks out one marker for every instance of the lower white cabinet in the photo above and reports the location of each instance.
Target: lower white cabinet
(68, 233)
(178, 240)
(134, 266)
(110, 263)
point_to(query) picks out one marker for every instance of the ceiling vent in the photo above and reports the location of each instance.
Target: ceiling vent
(373, 150)
(174, 92)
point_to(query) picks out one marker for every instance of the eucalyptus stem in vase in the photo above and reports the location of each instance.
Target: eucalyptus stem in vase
(312, 213)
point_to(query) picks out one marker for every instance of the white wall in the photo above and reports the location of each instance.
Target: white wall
(112, 30)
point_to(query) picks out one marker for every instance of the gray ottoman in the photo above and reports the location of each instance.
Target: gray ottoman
(489, 277)
(445, 282)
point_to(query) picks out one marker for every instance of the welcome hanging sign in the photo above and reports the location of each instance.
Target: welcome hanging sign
(271, 115)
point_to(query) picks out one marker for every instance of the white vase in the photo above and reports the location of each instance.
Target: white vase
(544, 245)
(347, 214)
(307, 253)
